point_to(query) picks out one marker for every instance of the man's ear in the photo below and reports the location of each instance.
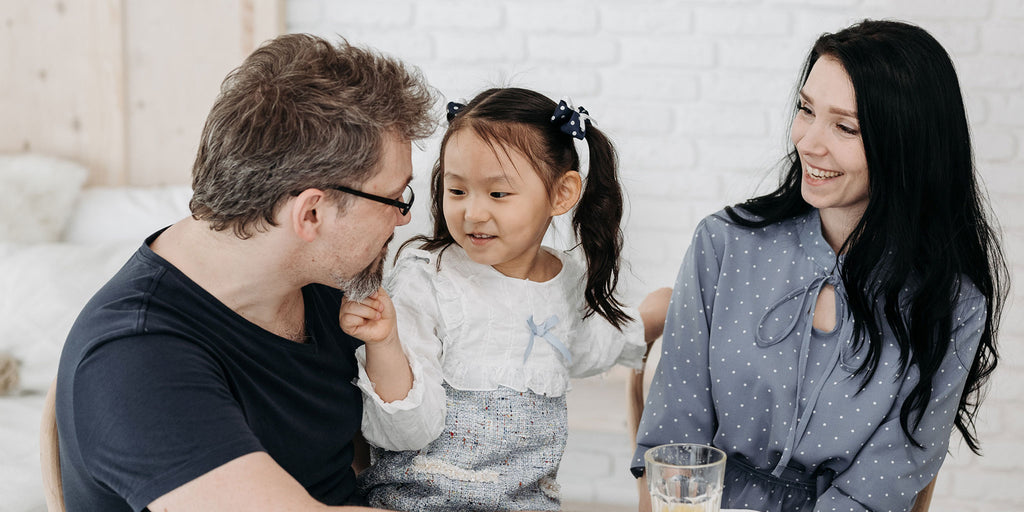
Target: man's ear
(566, 192)
(305, 213)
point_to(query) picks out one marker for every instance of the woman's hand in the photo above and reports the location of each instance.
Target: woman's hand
(371, 320)
(644, 505)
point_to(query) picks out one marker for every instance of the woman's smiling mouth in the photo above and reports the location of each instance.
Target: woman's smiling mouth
(821, 174)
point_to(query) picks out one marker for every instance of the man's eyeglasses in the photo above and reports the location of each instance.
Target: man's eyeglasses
(403, 206)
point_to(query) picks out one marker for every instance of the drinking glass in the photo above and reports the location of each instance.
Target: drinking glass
(685, 477)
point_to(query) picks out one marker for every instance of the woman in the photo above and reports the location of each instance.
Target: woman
(829, 335)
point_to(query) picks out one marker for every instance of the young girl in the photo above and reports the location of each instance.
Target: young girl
(494, 323)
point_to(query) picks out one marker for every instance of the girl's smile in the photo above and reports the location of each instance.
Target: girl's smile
(497, 207)
(480, 238)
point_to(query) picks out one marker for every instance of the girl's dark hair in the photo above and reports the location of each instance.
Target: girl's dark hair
(925, 227)
(520, 120)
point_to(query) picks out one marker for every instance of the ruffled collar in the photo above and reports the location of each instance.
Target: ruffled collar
(460, 262)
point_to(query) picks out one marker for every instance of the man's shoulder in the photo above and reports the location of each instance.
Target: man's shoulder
(114, 310)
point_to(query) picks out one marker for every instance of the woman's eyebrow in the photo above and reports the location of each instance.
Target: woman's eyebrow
(832, 109)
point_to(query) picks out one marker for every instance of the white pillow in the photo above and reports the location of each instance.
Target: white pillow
(36, 196)
(126, 213)
(44, 287)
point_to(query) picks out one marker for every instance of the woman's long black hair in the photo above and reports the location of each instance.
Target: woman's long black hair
(520, 120)
(925, 227)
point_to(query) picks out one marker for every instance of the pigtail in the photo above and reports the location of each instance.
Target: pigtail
(596, 223)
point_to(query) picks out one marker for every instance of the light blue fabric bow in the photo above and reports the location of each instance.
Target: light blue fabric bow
(544, 331)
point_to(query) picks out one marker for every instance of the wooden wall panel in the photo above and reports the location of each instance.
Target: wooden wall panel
(177, 58)
(122, 86)
(62, 82)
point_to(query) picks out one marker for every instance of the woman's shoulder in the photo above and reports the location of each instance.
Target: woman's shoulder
(735, 219)
(968, 294)
(723, 222)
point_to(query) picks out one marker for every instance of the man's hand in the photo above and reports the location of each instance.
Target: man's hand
(371, 320)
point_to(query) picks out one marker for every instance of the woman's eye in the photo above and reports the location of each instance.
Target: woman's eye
(847, 129)
(803, 108)
(498, 195)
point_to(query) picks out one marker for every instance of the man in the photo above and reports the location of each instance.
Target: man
(211, 373)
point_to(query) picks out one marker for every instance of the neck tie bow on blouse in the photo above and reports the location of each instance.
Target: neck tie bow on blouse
(799, 305)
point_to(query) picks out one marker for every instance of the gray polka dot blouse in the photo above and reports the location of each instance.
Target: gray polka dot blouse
(743, 368)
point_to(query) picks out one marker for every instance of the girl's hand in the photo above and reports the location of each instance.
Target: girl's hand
(652, 311)
(372, 320)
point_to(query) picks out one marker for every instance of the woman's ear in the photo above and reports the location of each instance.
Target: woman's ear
(566, 192)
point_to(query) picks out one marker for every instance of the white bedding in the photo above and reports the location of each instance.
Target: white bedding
(43, 285)
(21, 483)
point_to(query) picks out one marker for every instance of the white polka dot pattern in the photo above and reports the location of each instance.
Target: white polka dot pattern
(743, 368)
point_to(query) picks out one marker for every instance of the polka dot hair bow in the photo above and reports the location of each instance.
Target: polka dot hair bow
(572, 121)
(454, 108)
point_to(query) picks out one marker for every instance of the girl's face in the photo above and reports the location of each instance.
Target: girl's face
(495, 204)
(827, 137)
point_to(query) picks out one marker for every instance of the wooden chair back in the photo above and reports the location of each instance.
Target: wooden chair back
(49, 453)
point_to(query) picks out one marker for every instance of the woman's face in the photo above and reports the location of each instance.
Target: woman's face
(827, 137)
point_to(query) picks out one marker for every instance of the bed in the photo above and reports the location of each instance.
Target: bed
(59, 242)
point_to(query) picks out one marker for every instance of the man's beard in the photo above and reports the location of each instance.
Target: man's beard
(363, 284)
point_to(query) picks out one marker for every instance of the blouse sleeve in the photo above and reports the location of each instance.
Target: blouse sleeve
(413, 422)
(602, 345)
(888, 471)
(679, 406)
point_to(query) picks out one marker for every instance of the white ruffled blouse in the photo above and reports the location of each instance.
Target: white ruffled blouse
(476, 329)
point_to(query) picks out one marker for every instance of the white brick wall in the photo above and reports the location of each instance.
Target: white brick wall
(695, 94)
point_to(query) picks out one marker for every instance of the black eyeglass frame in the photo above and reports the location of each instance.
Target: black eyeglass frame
(403, 208)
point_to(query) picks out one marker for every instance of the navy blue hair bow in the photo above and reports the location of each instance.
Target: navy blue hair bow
(572, 121)
(453, 109)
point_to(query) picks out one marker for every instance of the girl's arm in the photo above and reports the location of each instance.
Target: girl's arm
(653, 311)
(373, 321)
(888, 471)
(414, 421)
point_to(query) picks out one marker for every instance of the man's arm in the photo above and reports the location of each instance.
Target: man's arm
(252, 482)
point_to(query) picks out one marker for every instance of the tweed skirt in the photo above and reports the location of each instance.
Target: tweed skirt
(500, 450)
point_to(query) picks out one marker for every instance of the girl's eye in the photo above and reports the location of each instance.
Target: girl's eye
(803, 108)
(498, 195)
(456, 192)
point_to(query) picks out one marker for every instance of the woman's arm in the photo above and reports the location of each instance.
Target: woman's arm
(679, 406)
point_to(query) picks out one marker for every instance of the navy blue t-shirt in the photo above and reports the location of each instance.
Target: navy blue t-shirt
(159, 383)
